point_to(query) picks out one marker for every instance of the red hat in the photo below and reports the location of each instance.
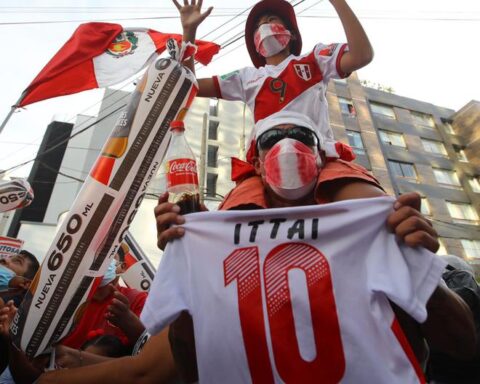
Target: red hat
(285, 11)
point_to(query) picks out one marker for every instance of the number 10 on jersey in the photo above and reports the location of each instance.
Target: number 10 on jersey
(243, 266)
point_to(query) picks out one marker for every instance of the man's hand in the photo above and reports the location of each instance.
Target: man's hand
(191, 14)
(19, 282)
(410, 225)
(7, 312)
(66, 357)
(166, 215)
(120, 315)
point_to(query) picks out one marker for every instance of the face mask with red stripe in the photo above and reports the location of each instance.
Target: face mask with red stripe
(291, 168)
(270, 39)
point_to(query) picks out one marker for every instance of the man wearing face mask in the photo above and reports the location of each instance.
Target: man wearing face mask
(16, 273)
(291, 164)
(292, 169)
(112, 308)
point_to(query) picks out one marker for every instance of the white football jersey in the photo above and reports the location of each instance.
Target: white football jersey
(295, 295)
(299, 83)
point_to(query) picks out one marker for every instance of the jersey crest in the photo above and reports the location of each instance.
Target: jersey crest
(303, 71)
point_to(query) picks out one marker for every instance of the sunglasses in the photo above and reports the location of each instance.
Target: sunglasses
(271, 137)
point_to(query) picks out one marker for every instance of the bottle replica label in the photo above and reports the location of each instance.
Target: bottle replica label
(181, 171)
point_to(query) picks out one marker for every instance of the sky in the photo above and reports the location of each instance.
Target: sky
(424, 50)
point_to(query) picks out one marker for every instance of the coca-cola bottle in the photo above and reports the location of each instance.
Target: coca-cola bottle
(182, 178)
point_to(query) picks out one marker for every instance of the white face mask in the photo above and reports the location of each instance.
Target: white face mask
(270, 39)
(291, 169)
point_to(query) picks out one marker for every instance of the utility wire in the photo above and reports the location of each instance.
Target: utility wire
(37, 10)
(233, 40)
(406, 18)
(27, 162)
(74, 118)
(98, 21)
(61, 142)
(240, 35)
(228, 21)
(58, 172)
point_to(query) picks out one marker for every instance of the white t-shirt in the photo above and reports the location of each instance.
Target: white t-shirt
(295, 295)
(299, 83)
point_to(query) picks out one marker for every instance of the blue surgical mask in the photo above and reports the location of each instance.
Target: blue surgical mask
(110, 274)
(6, 275)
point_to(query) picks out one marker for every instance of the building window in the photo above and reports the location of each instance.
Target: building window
(355, 141)
(400, 169)
(442, 250)
(433, 146)
(213, 130)
(461, 156)
(383, 110)
(392, 138)
(212, 184)
(444, 176)
(474, 184)
(471, 248)
(448, 126)
(462, 212)
(425, 207)
(213, 107)
(422, 119)
(212, 158)
(347, 107)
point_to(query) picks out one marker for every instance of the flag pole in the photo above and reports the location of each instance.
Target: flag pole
(12, 109)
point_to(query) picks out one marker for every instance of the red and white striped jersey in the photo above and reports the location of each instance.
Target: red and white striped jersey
(299, 83)
(295, 295)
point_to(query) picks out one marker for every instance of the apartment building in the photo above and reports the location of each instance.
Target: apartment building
(411, 145)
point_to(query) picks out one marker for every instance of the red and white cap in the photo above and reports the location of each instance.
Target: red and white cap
(333, 149)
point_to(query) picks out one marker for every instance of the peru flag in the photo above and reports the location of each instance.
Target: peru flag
(99, 55)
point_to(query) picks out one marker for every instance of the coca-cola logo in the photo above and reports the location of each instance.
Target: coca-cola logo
(183, 166)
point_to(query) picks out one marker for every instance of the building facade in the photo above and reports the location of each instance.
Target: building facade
(411, 145)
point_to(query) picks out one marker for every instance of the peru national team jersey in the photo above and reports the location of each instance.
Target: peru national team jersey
(299, 83)
(295, 295)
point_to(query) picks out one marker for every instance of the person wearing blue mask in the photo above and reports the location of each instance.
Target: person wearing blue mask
(22, 264)
(16, 273)
(113, 308)
(6, 275)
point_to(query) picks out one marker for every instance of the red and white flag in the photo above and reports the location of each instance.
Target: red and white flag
(102, 54)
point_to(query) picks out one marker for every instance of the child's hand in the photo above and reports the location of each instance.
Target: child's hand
(191, 14)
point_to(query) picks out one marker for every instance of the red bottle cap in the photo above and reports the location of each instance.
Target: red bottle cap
(177, 125)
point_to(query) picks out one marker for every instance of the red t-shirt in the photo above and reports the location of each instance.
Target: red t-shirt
(94, 317)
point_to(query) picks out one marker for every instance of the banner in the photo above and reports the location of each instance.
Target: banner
(15, 194)
(140, 271)
(9, 246)
(96, 224)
